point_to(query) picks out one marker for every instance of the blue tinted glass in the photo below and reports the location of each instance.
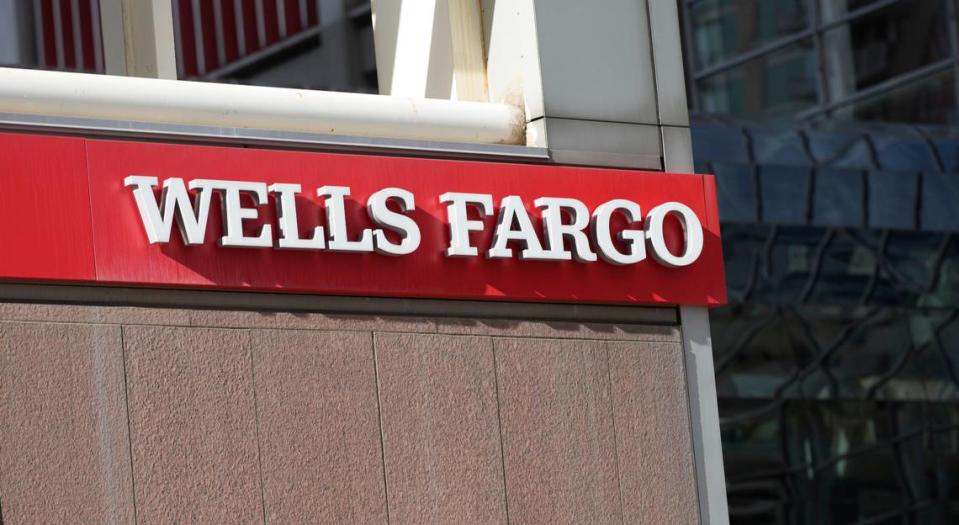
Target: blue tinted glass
(736, 192)
(939, 208)
(838, 198)
(785, 194)
(892, 199)
(844, 270)
(719, 143)
(948, 149)
(702, 166)
(897, 153)
(842, 150)
(742, 247)
(778, 146)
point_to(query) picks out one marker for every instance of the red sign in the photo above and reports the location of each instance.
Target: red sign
(172, 215)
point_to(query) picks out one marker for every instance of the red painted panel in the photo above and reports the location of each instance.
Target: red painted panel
(87, 36)
(66, 30)
(271, 21)
(67, 217)
(49, 35)
(187, 41)
(292, 16)
(229, 30)
(45, 212)
(124, 256)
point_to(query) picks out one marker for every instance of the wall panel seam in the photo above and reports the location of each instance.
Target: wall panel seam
(256, 423)
(126, 401)
(379, 419)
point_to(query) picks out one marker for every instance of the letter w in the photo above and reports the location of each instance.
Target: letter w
(191, 217)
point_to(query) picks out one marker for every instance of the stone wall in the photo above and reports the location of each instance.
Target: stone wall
(123, 414)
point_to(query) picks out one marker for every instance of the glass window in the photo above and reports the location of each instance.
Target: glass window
(838, 199)
(780, 83)
(930, 100)
(720, 143)
(785, 193)
(724, 28)
(736, 192)
(883, 44)
(324, 45)
(939, 209)
(892, 200)
(899, 152)
(779, 145)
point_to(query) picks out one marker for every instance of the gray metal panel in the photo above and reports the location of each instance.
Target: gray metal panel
(677, 145)
(612, 144)
(17, 45)
(596, 60)
(668, 62)
(704, 415)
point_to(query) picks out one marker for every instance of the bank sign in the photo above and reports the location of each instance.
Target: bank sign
(131, 213)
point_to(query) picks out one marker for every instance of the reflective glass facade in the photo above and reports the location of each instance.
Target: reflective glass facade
(881, 60)
(828, 126)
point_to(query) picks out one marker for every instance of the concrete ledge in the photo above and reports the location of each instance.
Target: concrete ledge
(282, 302)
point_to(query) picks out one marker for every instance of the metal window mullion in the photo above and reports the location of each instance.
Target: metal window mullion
(281, 18)
(951, 13)
(77, 35)
(793, 38)
(816, 13)
(239, 20)
(178, 41)
(691, 86)
(38, 33)
(758, 52)
(98, 36)
(58, 36)
(218, 27)
(879, 89)
(304, 14)
(259, 13)
(198, 37)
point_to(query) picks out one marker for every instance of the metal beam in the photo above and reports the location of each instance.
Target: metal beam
(52, 93)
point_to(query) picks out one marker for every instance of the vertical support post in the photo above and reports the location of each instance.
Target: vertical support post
(430, 49)
(469, 56)
(413, 48)
(704, 415)
(138, 38)
(694, 320)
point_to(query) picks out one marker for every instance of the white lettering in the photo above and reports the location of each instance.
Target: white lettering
(336, 222)
(289, 227)
(234, 213)
(512, 213)
(406, 227)
(460, 226)
(692, 231)
(191, 217)
(603, 236)
(555, 231)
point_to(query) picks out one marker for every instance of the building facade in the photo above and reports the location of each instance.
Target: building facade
(382, 371)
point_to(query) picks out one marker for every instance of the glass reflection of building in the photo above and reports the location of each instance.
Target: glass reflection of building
(830, 127)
